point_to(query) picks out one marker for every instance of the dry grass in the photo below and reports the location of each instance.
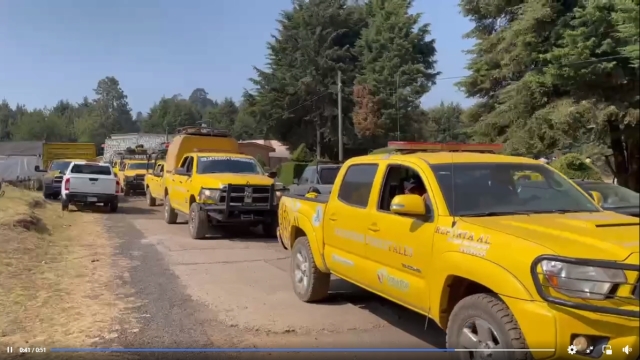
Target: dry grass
(57, 288)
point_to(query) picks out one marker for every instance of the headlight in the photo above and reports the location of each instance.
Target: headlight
(585, 282)
(209, 196)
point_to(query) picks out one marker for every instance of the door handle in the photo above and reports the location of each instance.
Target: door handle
(374, 228)
(333, 217)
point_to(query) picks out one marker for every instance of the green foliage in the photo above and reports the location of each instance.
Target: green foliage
(301, 154)
(555, 76)
(396, 64)
(575, 167)
(290, 171)
(261, 161)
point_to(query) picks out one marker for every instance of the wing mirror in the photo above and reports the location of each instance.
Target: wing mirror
(272, 174)
(181, 171)
(37, 168)
(409, 204)
(597, 197)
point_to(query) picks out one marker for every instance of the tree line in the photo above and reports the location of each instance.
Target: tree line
(548, 76)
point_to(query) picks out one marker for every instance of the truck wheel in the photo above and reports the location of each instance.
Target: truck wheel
(483, 321)
(198, 222)
(64, 205)
(113, 206)
(270, 229)
(309, 283)
(151, 201)
(170, 214)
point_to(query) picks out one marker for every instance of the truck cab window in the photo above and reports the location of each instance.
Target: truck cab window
(187, 164)
(306, 176)
(159, 170)
(356, 185)
(401, 180)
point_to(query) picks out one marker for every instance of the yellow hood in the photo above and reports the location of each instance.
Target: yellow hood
(218, 180)
(599, 235)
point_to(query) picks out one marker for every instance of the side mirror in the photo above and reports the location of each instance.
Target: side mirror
(409, 204)
(38, 169)
(181, 171)
(272, 174)
(597, 197)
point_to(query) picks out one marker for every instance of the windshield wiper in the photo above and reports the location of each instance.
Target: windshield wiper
(497, 213)
(559, 211)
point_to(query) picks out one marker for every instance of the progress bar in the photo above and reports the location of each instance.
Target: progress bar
(282, 350)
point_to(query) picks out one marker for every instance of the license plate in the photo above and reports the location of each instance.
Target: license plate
(91, 198)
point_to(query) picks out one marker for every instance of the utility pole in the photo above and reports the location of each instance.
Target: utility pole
(397, 113)
(340, 135)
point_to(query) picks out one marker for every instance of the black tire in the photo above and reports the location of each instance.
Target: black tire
(170, 214)
(151, 201)
(113, 206)
(64, 205)
(494, 312)
(318, 282)
(198, 222)
(270, 229)
(127, 192)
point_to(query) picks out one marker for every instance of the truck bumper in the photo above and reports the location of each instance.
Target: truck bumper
(134, 185)
(52, 188)
(89, 199)
(244, 204)
(562, 325)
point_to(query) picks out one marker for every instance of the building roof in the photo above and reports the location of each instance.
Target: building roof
(281, 150)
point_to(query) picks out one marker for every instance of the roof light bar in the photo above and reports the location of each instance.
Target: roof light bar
(427, 146)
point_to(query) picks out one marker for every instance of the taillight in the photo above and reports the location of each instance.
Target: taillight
(67, 184)
(117, 186)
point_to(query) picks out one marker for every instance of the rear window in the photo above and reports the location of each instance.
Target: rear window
(328, 175)
(91, 169)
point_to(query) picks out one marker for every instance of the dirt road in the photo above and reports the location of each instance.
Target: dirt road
(236, 292)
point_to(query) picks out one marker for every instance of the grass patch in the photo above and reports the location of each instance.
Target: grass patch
(57, 288)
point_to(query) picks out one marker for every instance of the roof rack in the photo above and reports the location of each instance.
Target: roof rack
(202, 131)
(408, 147)
(133, 153)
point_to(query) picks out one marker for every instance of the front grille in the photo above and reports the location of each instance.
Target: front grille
(259, 196)
(139, 177)
(57, 179)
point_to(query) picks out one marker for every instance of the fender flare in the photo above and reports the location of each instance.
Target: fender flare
(304, 224)
(481, 270)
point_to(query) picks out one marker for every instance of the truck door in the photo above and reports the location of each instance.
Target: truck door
(156, 181)
(346, 219)
(401, 245)
(178, 193)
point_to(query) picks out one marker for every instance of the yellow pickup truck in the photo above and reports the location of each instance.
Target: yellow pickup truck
(154, 182)
(207, 179)
(499, 264)
(56, 158)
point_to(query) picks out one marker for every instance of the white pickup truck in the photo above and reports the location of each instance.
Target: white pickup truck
(89, 183)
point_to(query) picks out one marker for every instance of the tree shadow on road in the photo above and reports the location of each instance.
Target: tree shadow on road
(240, 234)
(395, 315)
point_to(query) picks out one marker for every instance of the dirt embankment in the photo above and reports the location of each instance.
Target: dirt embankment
(57, 286)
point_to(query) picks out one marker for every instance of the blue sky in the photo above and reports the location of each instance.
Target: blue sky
(51, 50)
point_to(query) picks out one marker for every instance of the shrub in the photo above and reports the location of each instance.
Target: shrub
(575, 167)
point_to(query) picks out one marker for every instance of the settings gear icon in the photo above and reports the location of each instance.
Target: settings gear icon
(572, 349)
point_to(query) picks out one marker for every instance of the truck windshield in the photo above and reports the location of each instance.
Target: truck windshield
(60, 166)
(226, 164)
(91, 169)
(137, 166)
(614, 195)
(328, 175)
(477, 189)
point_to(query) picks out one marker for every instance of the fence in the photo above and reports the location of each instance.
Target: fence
(26, 183)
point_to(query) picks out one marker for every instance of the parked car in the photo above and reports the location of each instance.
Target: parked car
(614, 197)
(316, 178)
